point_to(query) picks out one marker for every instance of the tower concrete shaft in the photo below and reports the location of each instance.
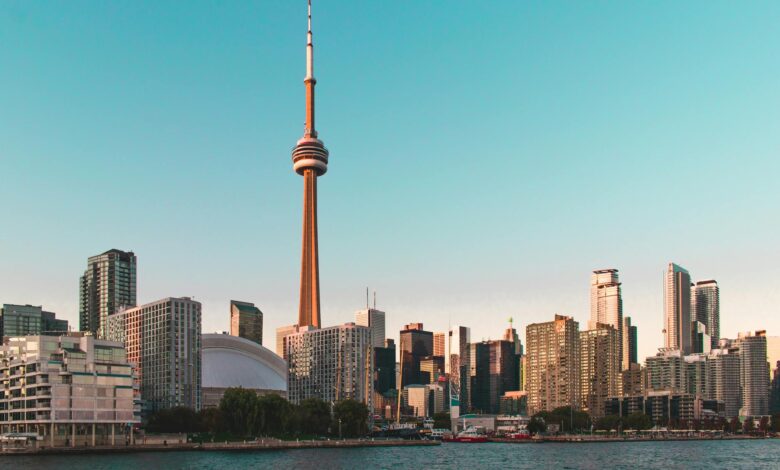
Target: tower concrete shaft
(310, 159)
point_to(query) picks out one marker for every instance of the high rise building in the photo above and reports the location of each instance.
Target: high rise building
(599, 367)
(332, 364)
(677, 309)
(700, 340)
(163, 340)
(431, 368)
(753, 373)
(503, 371)
(246, 321)
(384, 367)
(696, 380)
(510, 334)
(705, 308)
(310, 160)
(774, 392)
(108, 284)
(375, 320)
(23, 320)
(723, 378)
(666, 371)
(632, 380)
(629, 344)
(479, 377)
(457, 365)
(553, 364)
(772, 352)
(415, 344)
(439, 339)
(69, 390)
(606, 303)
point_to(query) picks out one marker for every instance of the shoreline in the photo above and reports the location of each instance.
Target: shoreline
(585, 439)
(252, 446)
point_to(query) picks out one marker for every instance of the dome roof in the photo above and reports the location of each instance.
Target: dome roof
(231, 361)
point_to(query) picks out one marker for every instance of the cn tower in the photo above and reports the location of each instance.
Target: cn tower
(310, 159)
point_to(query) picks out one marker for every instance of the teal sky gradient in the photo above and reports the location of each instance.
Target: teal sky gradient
(485, 156)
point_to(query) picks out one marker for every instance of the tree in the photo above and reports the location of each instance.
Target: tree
(313, 417)
(637, 421)
(570, 419)
(178, 419)
(536, 425)
(734, 425)
(763, 424)
(352, 416)
(211, 420)
(442, 421)
(608, 423)
(748, 426)
(239, 410)
(272, 415)
(775, 423)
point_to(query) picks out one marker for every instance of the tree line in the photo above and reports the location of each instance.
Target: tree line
(244, 414)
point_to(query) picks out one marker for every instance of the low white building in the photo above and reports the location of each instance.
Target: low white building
(70, 390)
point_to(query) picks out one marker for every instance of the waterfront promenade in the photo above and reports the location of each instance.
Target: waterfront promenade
(246, 446)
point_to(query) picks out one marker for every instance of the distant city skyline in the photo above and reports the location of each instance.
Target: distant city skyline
(147, 128)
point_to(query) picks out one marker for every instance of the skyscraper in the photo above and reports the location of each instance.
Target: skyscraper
(415, 344)
(333, 364)
(108, 284)
(375, 320)
(246, 321)
(677, 309)
(753, 373)
(163, 340)
(457, 364)
(310, 159)
(439, 339)
(629, 344)
(552, 370)
(606, 303)
(23, 320)
(666, 371)
(705, 300)
(723, 376)
(599, 367)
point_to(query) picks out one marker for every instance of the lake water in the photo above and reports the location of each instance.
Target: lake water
(708, 455)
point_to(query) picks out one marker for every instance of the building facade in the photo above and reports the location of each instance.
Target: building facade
(163, 340)
(24, 320)
(108, 284)
(606, 303)
(629, 344)
(416, 344)
(723, 378)
(677, 309)
(705, 299)
(666, 371)
(70, 390)
(332, 364)
(457, 366)
(753, 373)
(375, 320)
(246, 321)
(553, 368)
(599, 368)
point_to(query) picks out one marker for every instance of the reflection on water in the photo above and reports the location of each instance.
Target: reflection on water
(629, 455)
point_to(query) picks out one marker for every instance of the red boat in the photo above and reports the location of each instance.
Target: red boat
(468, 435)
(520, 435)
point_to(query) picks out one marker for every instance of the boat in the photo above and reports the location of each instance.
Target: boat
(470, 435)
(521, 434)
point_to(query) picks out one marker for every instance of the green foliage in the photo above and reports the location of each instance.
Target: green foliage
(174, 420)
(442, 421)
(609, 422)
(748, 426)
(536, 425)
(239, 411)
(763, 425)
(734, 425)
(568, 419)
(775, 427)
(637, 421)
(313, 417)
(353, 417)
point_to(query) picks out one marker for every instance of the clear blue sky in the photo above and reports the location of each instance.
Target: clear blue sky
(485, 156)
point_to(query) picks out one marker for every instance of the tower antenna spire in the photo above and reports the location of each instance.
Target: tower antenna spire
(310, 81)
